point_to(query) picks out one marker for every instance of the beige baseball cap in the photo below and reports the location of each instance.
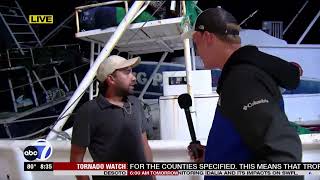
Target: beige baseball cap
(114, 62)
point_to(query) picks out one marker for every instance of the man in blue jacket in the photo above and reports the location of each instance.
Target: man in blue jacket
(249, 125)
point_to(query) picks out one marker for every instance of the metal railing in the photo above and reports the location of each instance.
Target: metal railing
(274, 28)
(14, 67)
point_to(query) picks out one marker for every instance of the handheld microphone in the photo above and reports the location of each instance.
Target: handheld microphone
(185, 103)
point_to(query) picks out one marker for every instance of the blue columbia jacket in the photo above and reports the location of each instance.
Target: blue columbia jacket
(249, 125)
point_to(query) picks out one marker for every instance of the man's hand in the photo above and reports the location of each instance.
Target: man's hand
(200, 149)
(147, 150)
(298, 66)
(76, 155)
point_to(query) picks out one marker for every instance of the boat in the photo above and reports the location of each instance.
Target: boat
(36, 86)
(36, 79)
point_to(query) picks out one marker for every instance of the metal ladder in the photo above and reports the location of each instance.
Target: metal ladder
(18, 26)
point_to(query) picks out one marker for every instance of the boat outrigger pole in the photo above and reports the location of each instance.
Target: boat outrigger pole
(187, 57)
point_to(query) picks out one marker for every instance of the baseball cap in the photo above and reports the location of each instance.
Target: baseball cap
(214, 20)
(114, 62)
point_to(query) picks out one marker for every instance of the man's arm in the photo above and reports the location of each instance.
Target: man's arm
(80, 137)
(77, 154)
(201, 151)
(250, 99)
(146, 148)
(144, 124)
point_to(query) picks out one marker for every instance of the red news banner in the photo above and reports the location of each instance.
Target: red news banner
(174, 169)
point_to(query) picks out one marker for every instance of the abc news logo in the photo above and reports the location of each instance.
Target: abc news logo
(41, 150)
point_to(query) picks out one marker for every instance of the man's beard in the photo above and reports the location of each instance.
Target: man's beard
(123, 92)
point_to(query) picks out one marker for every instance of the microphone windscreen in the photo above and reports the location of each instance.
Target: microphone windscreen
(184, 101)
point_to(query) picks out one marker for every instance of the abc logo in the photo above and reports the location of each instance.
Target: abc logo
(30, 153)
(40, 150)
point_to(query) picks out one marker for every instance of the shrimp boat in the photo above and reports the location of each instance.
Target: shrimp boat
(161, 86)
(36, 79)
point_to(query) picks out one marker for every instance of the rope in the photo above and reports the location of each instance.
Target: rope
(52, 126)
(192, 13)
(135, 33)
(62, 134)
(30, 119)
(30, 135)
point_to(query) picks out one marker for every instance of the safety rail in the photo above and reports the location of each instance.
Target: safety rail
(12, 57)
(23, 72)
